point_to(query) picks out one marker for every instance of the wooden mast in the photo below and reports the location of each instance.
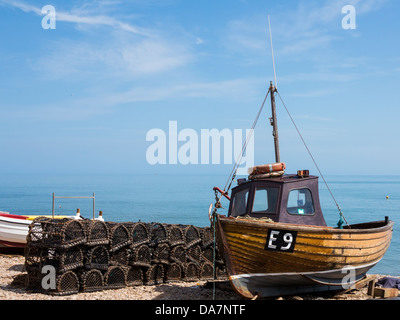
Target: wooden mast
(274, 123)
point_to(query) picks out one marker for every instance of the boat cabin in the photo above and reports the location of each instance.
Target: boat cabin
(286, 199)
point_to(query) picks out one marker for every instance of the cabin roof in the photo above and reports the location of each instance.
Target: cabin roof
(287, 178)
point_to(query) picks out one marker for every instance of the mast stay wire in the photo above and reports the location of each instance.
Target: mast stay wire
(312, 158)
(240, 156)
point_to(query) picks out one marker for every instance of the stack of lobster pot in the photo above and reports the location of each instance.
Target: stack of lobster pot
(67, 256)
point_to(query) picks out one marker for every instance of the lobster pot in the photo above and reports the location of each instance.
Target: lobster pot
(61, 259)
(154, 275)
(35, 258)
(91, 280)
(207, 237)
(161, 254)
(55, 233)
(97, 232)
(194, 254)
(173, 272)
(119, 236)
(97, 258)
(140, 256)
(139, 233)
(206, 271)
(158, 234)
(120, 257)
(208, 255)
(34, 280)
(115, 277)
(65, 283)
(192, 236)
(176, 235)
(190, 272)
(135, 276)
(178, 254)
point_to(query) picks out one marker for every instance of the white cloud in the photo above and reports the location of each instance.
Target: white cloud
(309, 25)
(100, 20)
(119, 48)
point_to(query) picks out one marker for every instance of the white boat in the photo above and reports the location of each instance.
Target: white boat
(14, 228)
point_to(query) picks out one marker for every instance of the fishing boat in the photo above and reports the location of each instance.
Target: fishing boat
(13, 230)
(274, 239)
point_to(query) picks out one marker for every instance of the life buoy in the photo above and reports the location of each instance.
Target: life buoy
(267, 168)
(266, 175)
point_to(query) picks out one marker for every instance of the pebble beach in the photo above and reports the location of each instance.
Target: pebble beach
(12, 287)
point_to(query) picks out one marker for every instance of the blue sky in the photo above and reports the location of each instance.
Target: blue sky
(81, 98)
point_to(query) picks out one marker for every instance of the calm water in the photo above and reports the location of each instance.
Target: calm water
(185, 199)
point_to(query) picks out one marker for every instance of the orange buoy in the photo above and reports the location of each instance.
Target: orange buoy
(266, 168)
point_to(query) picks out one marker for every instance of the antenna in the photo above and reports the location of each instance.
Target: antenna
(272, 51)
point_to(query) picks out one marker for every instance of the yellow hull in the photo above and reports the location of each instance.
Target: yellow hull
(249, 249)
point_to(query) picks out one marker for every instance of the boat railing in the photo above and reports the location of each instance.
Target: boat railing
(63, 197)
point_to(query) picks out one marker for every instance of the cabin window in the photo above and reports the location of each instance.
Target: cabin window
(300, 202)
(239, 205)
(265, 200)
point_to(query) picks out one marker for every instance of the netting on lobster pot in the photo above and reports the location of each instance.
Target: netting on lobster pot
(208, 254)
(161, 253)
(207, 237)
(191, 271)
(67, 283)
(61, 259)
(158, 233)
(135, 276)
(154, 275)
(119, 235)
(139, 233)
(35, 258)
(97, 257)
(97, 232)
(178, 254)
(115, 277)
(173, 272)
(140, 256)
(55, 233)
(194, 254)
(120, 257)
(34, 280)
(192, 236)
(206, 271)
(66, 259)
(91, 280)
(176, 235)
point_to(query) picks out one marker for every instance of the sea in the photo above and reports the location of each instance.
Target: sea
(185, 199)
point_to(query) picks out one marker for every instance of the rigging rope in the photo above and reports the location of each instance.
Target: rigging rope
(315, 163)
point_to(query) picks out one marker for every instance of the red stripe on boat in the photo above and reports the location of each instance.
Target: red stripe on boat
(13, 216)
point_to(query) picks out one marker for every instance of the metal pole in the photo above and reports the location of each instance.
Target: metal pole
(53, 206)
(93, 207)
(274, 122)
